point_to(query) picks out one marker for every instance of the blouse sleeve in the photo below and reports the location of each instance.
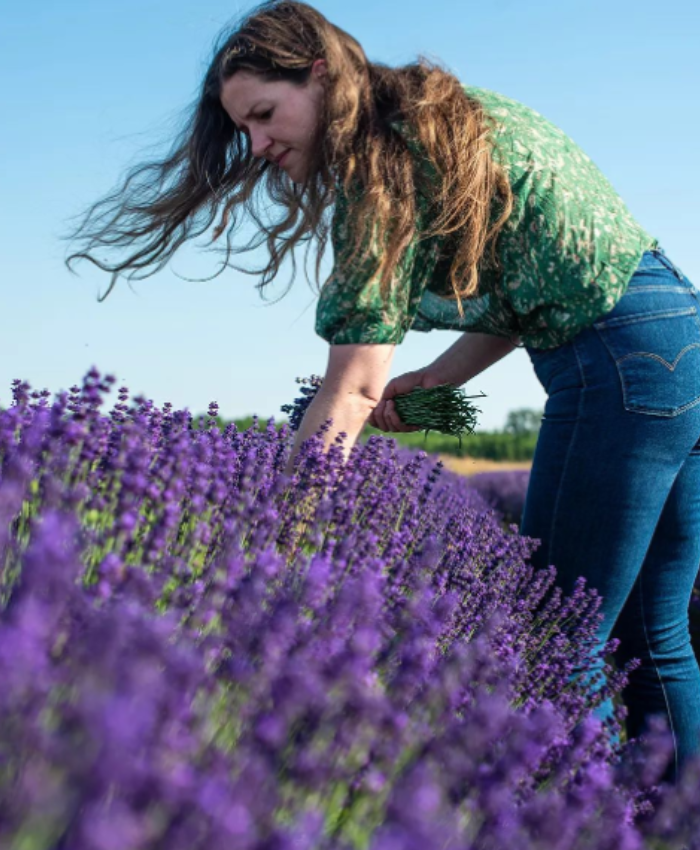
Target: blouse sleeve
(351, 307)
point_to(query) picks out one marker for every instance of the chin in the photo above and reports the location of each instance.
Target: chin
(294, 174)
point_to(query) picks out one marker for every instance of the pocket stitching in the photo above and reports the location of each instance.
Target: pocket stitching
(649, 411)
(630, 406)
(670, 366)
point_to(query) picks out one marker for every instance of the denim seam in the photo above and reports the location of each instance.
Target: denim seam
(622, 321)
(656, 669)
(641, 288)
(568, 453)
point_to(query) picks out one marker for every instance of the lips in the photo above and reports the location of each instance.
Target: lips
(281, 158)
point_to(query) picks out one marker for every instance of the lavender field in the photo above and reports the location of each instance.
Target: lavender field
(197, 651)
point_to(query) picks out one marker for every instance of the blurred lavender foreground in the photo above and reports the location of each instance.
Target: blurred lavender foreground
(504, 491)
(197, 652)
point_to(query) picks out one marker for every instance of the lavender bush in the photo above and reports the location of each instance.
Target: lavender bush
(504, 491)
(197, 651)
(695, 618)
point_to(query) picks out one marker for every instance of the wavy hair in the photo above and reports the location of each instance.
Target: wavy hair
(374, 119)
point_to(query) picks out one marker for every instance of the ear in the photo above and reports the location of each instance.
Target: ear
(319, 68)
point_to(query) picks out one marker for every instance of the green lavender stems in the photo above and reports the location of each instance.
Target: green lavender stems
(445, 408)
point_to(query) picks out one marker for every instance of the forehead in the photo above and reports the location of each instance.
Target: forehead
(243, 90)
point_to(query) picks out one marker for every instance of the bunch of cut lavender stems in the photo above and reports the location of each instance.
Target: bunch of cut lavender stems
(445, 408)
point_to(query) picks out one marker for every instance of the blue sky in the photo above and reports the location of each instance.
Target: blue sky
(86, 87)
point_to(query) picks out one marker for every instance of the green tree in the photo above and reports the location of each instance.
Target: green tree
(525, 420)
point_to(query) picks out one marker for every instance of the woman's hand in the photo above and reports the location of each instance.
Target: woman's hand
(467, 357)
(384, 416)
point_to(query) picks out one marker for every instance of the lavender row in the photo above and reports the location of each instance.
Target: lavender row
(505, 492)
(197, 651)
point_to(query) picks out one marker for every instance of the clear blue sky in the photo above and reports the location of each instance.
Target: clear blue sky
(85, 86)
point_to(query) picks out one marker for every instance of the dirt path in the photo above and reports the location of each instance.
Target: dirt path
(473, 465)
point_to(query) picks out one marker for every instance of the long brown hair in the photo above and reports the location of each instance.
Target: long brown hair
(373, 120)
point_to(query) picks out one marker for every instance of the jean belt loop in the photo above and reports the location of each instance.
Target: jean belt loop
(669, 263)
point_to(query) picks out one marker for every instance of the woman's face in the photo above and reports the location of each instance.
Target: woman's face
(280, 118)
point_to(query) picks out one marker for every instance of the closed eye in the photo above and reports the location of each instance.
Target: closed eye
(265, 116)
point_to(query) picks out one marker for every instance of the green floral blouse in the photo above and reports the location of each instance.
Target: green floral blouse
(567, 252)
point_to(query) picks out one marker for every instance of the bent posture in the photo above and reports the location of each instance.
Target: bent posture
(454, 207)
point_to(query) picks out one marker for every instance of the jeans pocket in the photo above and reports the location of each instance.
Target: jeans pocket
(657, 355)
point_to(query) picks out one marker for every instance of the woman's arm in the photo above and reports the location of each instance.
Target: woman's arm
(353, 384)
(468, 357)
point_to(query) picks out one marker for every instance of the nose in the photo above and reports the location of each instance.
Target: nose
(260, 142)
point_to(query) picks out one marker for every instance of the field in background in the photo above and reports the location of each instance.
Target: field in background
(474, 465)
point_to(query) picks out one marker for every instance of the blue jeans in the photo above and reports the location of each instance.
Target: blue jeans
(614, 492)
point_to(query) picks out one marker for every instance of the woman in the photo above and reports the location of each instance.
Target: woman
(455, 207)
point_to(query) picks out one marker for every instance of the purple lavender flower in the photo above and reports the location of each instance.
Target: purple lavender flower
(504, 491)
(197, 651)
